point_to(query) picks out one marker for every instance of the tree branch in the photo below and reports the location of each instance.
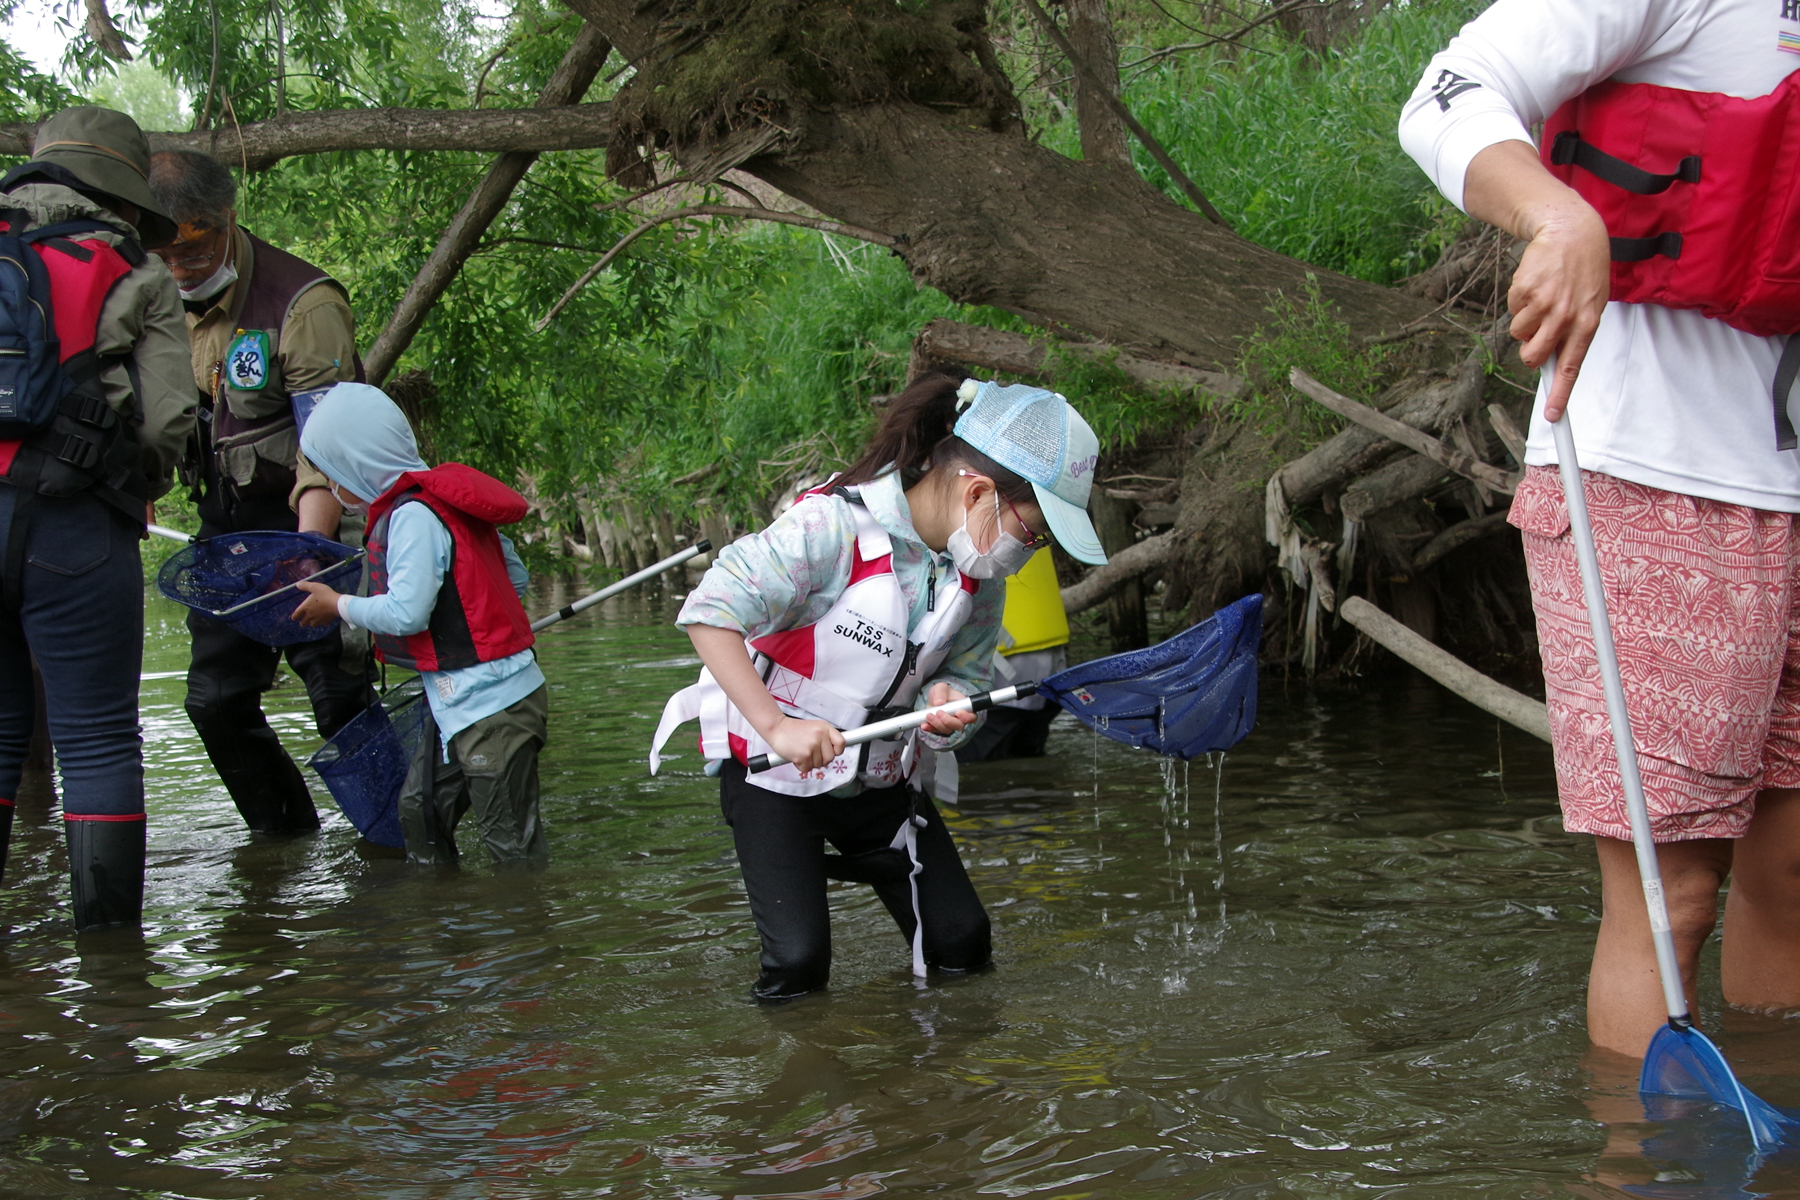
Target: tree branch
(570, 81)
(709, 210)
(1098, 86)
(263, 143)
(1120, 569)
(1406, 435)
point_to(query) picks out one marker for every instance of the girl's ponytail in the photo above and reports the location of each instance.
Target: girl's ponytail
(916, 435)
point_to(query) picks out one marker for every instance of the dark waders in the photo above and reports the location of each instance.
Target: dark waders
(229, 674)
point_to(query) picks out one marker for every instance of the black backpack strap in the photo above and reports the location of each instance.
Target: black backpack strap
(1569, 149)
(1786, 371)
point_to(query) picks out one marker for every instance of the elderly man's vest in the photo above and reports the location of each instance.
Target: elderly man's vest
(255, 439)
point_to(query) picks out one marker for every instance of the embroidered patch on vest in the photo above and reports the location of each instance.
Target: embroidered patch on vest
(247, 361)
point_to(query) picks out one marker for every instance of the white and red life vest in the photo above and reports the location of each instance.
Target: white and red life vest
(478, 617)
(857, 660)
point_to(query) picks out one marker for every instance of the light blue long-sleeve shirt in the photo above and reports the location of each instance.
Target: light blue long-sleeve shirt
(418, 555)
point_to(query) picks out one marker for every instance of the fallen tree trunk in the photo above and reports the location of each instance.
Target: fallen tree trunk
(947, 341)
(1413, 439)
(1515, 708)
(1459, 535)
(1403, 479)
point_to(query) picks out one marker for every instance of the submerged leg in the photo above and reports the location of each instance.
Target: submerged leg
(781, 853)
(1625, 1001)
(958, 936)
(1760, 968)
(499, 759)
(226, 680)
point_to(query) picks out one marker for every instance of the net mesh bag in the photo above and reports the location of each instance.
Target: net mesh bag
(364, 764)
(244, 579)
(1185, 697)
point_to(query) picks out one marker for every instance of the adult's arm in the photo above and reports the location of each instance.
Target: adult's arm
(1561, 285)
(318, 350)
(1467, 125)
(143, 317)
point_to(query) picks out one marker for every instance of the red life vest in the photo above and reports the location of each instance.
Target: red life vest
(478, 617)
(1700, 193)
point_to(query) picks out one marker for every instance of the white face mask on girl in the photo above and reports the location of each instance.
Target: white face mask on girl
(1007, 556)
(355, 510)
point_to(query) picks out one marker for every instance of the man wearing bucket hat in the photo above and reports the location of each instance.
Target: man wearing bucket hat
(73, 491)
(880, 592)
(270, 334)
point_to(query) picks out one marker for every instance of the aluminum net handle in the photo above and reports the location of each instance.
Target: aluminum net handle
(1674, 995)
(880, 730)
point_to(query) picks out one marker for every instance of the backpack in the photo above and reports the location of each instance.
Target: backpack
(58, 435)
(52, 289)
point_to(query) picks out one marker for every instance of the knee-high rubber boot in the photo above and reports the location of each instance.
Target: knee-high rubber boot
(106, 872)
(6, 819)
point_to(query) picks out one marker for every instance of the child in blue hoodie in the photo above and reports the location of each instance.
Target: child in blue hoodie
(445, 587)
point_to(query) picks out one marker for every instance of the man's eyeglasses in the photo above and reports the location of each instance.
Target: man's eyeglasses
(179, 253)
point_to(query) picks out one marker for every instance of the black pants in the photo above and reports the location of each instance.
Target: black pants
(781, 851)
(81, 615)
(226, 679)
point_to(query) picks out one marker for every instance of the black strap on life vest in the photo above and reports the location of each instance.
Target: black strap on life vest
(1786, 371)
(1570, 150)
(1631, 250)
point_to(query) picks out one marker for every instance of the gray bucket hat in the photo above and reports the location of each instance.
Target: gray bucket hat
(105, 152)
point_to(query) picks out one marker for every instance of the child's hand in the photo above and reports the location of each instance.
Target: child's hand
(809, 745)
(319, 607)
(946, 724)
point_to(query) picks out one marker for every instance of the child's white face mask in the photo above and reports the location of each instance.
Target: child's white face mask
(1007, 556)
(357, 509)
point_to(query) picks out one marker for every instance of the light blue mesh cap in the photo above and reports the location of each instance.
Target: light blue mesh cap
(1037, 436)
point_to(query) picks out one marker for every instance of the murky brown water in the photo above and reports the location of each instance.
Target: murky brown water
(1350, 966)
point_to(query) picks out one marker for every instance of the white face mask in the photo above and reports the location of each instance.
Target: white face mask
(355, 510)
(212, 285)
(1007, 556)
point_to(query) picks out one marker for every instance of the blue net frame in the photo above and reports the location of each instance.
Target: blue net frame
(222, 577)
(1185, 697)
(364, 764)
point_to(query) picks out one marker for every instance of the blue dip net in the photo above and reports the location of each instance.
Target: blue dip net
(364, 764)
(1684, 1065)
(244, 579)
(1185, 697)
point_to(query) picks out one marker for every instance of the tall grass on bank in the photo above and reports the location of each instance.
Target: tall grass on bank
(1299, 152)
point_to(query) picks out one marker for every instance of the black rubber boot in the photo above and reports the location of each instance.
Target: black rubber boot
(106, 873)
(6, 820)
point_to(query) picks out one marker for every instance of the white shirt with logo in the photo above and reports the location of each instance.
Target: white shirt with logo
(1666, 397)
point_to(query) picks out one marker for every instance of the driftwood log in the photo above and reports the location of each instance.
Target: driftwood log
(1515, 708)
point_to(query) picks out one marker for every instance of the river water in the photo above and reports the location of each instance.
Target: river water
(1348, 963)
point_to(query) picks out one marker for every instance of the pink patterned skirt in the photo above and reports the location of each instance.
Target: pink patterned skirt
(1707, 619)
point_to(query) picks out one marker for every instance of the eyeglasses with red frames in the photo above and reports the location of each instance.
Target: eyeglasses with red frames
(1033, 539)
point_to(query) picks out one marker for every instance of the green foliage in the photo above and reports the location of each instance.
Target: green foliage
(1303, 332)
(758, 347)
(1298, 152)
